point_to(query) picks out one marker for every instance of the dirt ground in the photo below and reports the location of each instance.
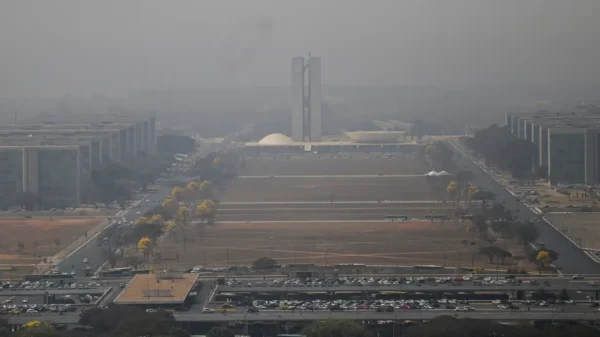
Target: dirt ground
(581, 227)
(390, 243)
(320, 189)
(40, 237)
(329, 164)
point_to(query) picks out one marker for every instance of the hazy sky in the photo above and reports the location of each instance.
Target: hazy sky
(110, 47)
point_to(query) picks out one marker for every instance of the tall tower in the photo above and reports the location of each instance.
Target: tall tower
(298, 113)
(306, 100)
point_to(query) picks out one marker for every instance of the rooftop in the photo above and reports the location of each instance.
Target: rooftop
(153, 289)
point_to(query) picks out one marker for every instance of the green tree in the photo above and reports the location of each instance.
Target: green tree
(527, 233)
(219, 331)
(495, 252)
(335, 328)
(41, 330)
(264, 263)
(564, 295)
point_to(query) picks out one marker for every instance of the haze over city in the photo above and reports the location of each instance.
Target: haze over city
(300, 168)
(115, 47)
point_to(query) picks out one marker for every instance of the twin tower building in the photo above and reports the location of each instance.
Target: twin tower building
(306, 99)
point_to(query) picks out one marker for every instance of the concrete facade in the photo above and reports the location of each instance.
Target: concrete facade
(58, 159)
(568, 146)
(306, 102)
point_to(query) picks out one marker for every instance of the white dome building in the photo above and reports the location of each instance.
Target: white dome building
(276, 139)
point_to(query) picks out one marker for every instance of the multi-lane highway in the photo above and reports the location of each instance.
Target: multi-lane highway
(554, 314)
(571, 261)
(95, 254)
(413, 288)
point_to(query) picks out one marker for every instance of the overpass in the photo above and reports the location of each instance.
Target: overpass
(358, 315)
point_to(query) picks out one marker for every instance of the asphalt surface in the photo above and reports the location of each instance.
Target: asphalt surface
(555, 286)
(571, 259)
(95, 254)
(587, 314)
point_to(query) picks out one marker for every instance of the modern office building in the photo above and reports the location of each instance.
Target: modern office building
(56, 157)
(306, 99)
(568, 144)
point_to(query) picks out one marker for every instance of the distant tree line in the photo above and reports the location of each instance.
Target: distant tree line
(172, 144)
(499, 147)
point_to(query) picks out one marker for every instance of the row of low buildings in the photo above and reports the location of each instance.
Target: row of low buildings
(56, 156)
(568, 144)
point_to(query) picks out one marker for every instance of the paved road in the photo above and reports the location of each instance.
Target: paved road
(571, 260)
(96, 254)
(72, 318)
(555, 286)
(333, 176)
(53, 292)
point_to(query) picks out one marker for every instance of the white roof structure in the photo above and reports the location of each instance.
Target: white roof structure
(276, 139)
(437, 174)
(376, 136)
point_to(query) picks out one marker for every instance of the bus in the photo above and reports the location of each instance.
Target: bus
(393, 218)
(51, 276)
(117, 272)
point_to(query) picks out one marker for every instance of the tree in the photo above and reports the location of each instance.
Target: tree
(495, 252)
(264, 263)
(564, 295)
(220, 332)
(178, 193)
(483, 196)
(145, 246)
(481, 224)
(171, 205)
(205, 189)
(143, 221)
(543, 258)
(173, 144)
(20, 245)
(452, 190)
(447, 326)
(440, 154)
(207, 210)
(37, 329)
(157, 219)
(527, 233)
(335, 328)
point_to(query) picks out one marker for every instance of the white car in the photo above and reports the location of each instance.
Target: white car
(86, 260)
(151, 310)
(496, 302)
(578, 277)
(32, 312)
(208, 310)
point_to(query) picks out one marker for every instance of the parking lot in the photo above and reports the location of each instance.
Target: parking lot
(388, 300)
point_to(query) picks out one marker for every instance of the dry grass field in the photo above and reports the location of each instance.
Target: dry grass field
(25, 241)
(340, 165)
(292, 220)
(580, 227)
(320, 189)
(389, 243)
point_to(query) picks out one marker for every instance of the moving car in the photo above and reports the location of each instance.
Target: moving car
(208, 310)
